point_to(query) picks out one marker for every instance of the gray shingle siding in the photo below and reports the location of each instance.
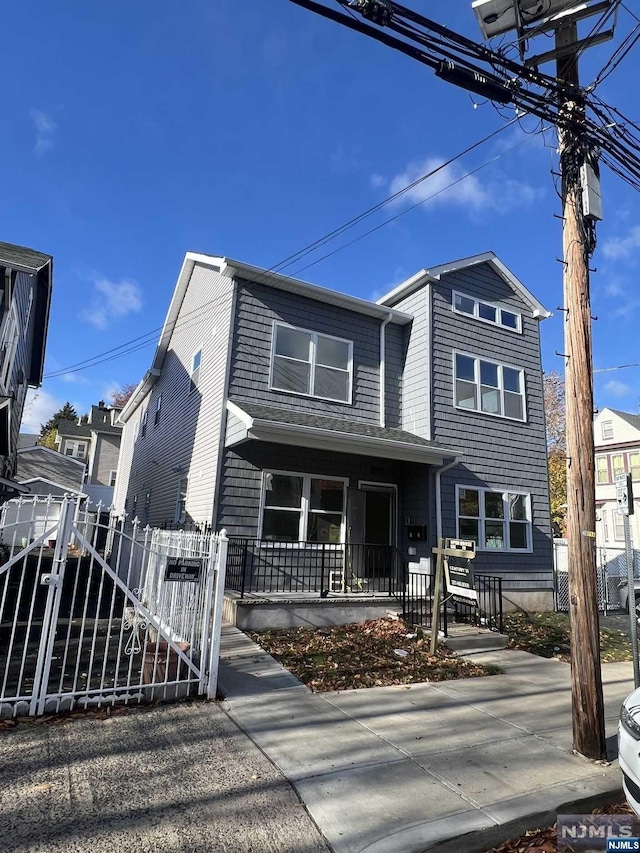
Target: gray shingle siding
(186, 441)
(258, 306)
(105, 459)
(495, 453)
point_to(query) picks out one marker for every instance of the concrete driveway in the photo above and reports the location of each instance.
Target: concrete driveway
(173, 778)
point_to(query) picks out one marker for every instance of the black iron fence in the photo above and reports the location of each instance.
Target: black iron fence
(417, 603)
(488, 612)
(257, 566)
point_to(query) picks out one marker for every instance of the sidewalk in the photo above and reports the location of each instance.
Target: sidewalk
(172, 779)
(402, 769)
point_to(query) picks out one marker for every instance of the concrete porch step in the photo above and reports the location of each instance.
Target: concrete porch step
(469, 638)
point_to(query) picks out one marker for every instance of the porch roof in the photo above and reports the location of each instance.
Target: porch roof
(306, 429)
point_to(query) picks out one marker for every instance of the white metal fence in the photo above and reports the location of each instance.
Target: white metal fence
(93, 614)
(611, 569)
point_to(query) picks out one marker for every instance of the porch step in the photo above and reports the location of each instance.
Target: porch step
(468, 638)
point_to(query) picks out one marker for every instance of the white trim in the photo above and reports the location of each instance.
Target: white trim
(176, 518)
(239, 413)
(313, 348)
(67, 488)
(113, 471)
(304, 509)
(28, 312)
(438, 491)
(193, 386)
(383, 370)
(608, 424)
(501, 389)
(481, 518)
(539, 312)
(497, 307)
(76, 442)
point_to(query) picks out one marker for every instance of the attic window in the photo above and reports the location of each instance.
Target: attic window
(607, 429)
(486, 312)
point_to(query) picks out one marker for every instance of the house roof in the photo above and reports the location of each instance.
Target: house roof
(74, 429)
(631, 419)
(435, 274)
(230, 268)
(306, 429)
(27, 439)
(45, 464)
(19, 257)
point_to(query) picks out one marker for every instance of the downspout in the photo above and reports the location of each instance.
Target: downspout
(383, 368)
(439, 472)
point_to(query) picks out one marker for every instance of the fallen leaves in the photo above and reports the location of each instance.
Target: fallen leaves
(547, 635)
(376, 653)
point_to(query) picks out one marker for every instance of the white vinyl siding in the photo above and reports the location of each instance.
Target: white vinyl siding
(311, 364)
(488, 387)
(495, 520)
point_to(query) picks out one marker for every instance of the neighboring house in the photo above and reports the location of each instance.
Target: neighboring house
(289, 413)
(617, 450)
(27, 439)
(47, 472)
(94, 440)
(25, 298)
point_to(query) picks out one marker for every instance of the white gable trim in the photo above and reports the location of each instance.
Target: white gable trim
(55, 453)
(73, 489)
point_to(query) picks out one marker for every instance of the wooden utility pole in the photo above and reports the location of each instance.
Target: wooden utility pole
(586, 677)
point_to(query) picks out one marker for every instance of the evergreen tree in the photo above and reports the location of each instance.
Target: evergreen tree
(66, 413)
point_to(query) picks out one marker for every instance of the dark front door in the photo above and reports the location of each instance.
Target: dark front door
(378, 517)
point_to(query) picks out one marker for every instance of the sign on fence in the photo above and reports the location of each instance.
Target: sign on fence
(184, 569)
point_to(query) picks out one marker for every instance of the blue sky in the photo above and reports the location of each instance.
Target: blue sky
(136, 132)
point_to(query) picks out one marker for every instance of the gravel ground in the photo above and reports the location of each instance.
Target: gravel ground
(177, 777)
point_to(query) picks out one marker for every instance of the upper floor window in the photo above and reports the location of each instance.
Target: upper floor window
(112, 477)
(494, 520)
(143, 426)
(602, 469)
(617, 464)
(136, 430)
(302, 508)
(634, 465)
(28, 314)
(308, 363)
(75, 449)
(607, 429)
(181, 501)
(195, 371)
(488, 387)
(486, 311)
(156, 417)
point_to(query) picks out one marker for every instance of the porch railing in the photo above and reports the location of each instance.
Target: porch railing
(417, 604)
(258, 566)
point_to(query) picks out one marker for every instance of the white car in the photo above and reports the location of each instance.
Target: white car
(629, 748)
(623, 593)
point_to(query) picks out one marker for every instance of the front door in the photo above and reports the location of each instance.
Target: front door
(378, 517)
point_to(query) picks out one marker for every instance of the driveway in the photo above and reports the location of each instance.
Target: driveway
(178, 777)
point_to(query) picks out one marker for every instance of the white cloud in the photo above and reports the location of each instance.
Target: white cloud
(622, 248)
(45, 130)
(74, 379)
(617, 389)
(113, 300)
(453, 185)
(38, 408)
(376, 181)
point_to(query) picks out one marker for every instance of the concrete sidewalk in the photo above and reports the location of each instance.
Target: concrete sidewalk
(406, 768)
(177, 778)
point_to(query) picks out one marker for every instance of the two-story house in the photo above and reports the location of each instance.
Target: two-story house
(25, 298)
(95, 441)
(311, 422)
(616, 437)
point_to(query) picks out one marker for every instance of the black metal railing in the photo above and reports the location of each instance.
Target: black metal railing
(417, 603)
(258, 566)
(488, 613)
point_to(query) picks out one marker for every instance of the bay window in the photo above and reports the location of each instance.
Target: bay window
(494, 520)
(302, 508)
(308, 363)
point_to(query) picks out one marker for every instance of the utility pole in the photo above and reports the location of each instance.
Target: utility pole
(586, 677)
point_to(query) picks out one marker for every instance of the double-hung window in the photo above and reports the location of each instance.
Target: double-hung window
(486, 311)
(602, 469)
(308, 363)
(302, 508)
(618, 525)
(607, 429)
(494, 520)
(489, 387)
(181, 501)
(156, 417)
(634, 465)
(143, 427)
(617, 464)
(75, 449)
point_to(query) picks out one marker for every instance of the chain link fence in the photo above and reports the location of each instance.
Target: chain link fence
(611, 568)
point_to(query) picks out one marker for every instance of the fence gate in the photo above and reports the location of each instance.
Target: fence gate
(91, 614)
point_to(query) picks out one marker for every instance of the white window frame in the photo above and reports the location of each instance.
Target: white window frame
(623, 469)
(112, 476)
(482, 490)
(312, 363)
(305, 509)
(28, 314)
(75, 444)
(607, 430)
(136, 432)
(600, 482)
(499, 308)
(605, 523)
(194, 384)
(618, 525)
(181, 501)
(158, 411)
(476, 374)
(9, 345)
(143, 426)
